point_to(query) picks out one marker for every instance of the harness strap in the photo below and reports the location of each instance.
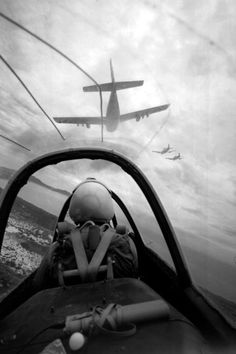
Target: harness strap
(90, 270)
(80, 254)
(110, 273)
(107, 320)
(60, 275)
(100, 253)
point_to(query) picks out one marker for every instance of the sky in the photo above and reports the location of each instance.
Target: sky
(184, 51)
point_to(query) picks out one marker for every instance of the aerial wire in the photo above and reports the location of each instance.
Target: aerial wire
(202, 36)
(65, 57)
(197, 32)
(31, 95)
(155, 134)
(14, 142)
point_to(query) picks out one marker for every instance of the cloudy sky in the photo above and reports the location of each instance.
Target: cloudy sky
(184, 51)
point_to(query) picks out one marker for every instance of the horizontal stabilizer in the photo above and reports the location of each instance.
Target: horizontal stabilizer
(110, 86)
(80, 120)
(142, 113)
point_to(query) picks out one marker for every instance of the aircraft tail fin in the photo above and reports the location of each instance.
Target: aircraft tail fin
(113, 85)
(112, 72)
(121, 85)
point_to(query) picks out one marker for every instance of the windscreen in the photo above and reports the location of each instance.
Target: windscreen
(33, 219)
(152, 80)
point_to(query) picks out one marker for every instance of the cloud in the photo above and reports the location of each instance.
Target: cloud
(181, 175)
(228, 231)
(195, 212)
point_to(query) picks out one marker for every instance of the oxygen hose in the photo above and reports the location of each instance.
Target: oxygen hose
(116, 316)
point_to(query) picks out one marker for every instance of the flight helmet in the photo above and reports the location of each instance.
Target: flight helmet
(91, 200)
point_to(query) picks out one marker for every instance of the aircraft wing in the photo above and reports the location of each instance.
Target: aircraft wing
(110, 86)
(144, 112)
(79, 120)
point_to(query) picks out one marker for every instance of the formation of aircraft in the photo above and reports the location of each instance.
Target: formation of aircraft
(176, 157)
(168, 149)
(113, 116)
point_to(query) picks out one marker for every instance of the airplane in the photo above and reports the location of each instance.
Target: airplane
(176, 157)
(168, 149)
(113, 116)
(161, 308)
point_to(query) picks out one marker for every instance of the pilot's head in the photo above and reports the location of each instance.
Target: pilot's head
(91, 201)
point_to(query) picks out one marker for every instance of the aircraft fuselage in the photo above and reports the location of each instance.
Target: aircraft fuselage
(113, 112)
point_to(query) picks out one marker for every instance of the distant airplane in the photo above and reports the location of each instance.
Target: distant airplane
(113, 116)
(165, 150)
(176, 157)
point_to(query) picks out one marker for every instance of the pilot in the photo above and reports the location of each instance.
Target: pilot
(91, 242)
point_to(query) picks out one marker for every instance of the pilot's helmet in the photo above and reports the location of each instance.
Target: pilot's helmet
(91, 201)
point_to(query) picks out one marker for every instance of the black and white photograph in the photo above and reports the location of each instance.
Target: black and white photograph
(117, 176)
